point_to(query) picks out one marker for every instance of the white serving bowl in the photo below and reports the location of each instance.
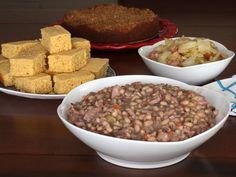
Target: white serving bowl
(195, 75)
(134, 153)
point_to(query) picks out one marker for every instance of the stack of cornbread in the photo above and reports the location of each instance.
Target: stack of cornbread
(56, 63)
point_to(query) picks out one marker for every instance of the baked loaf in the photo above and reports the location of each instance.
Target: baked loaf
(81, 43)
(29, 62)
(39, 83)
(3, 59)
(65, 82)
(110, 23)
(56, 39)
(68, 61)
(5, 75)
(97, 66)
(12, 49)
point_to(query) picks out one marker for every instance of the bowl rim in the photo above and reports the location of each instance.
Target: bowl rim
(64, 120)
(143, 48)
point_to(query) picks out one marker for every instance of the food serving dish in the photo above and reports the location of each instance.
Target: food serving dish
(196, 74)
(13, 91)
(136, 153)
(168, 29)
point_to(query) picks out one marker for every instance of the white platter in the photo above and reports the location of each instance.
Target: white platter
(13, 91)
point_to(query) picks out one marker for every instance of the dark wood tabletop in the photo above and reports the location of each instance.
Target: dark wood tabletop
(34, 142)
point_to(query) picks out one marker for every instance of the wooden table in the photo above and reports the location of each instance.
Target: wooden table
(34, 142)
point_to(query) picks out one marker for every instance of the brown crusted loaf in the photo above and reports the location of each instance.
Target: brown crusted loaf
(110, 23)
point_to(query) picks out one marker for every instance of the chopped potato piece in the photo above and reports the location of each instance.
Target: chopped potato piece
(186, 52)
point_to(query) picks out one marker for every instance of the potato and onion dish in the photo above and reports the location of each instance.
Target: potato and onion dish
(186, 51)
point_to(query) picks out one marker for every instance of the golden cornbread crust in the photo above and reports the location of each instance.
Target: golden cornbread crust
(5, 75)
(68, 61)
(65, 82)
(81, 43)
(56, 39)
(3, 59)
(40, 83)
(28, 63)
(97, 66)
(12, 49)
(111, 23)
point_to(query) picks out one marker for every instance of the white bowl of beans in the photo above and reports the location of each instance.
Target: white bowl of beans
(191, 60)
(140, 121)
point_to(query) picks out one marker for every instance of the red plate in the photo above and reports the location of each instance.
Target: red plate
(168, 30)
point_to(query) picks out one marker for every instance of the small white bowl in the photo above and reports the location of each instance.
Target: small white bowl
(195, 75)
(141, 154)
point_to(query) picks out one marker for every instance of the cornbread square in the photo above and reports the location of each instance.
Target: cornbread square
(12, 49)
(68, 61)
(81, 43)
(40, 83)
(97, 66)
(65, 82)
(56, 39)
(5, 75)
(28, 63)
(3, 59)
(38, 48)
